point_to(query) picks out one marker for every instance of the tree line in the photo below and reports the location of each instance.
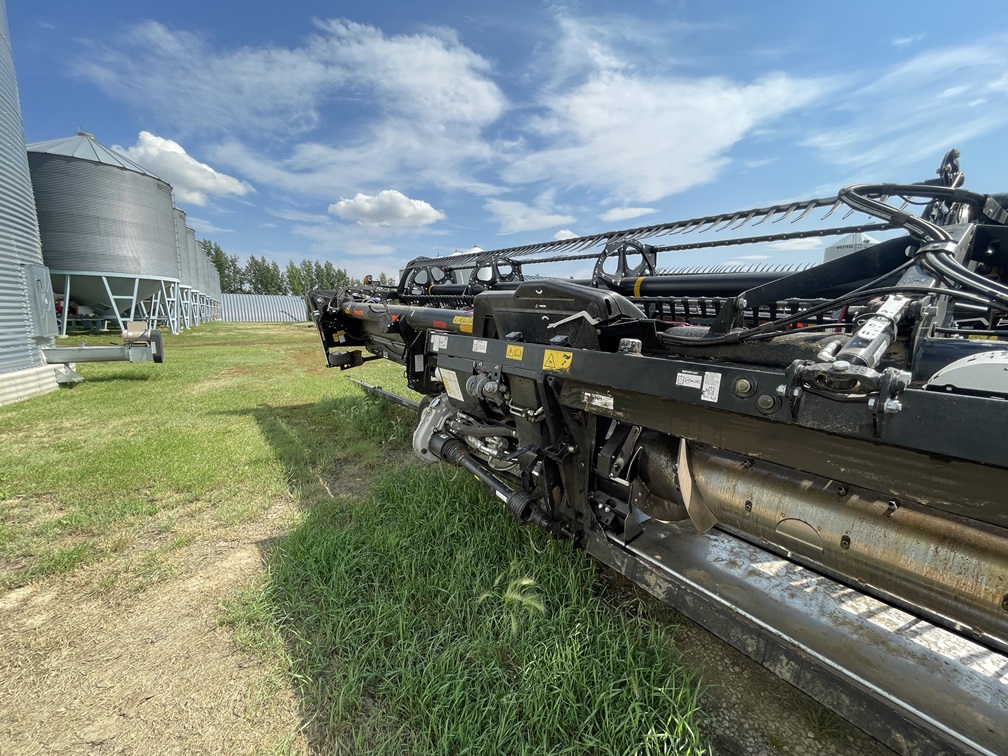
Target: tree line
(262, 276)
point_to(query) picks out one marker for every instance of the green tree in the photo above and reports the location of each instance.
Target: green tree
(275, 280)
(230, 272)
(257, 275)
(295, 281)
(308, 278)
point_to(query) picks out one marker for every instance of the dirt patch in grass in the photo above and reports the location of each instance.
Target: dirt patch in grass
(99, 662)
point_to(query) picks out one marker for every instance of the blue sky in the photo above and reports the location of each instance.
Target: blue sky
(368, 134)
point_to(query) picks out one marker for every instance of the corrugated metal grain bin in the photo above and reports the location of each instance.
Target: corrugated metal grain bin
(198, 261)
(182, 243)
(27, 320)
(101, 214)
(263, 308)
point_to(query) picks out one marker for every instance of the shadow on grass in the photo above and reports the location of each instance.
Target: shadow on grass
(414, 616)
(132, 376)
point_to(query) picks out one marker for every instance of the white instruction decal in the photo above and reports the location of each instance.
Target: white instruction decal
(711, 387)
(451, 384)
(689, 380)
(479, 346)
(439, 341)
(418, 363)
(598, 400)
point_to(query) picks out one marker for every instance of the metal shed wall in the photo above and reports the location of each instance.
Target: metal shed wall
(23, 279)
(264, 308)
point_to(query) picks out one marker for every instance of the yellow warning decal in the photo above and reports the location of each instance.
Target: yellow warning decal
(514, 352)
(464, 322)
(557, 360)
(636, 286)
(982, 337)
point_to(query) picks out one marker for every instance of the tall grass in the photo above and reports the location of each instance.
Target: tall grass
(424, 620)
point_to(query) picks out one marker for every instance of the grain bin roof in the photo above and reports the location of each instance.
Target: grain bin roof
(85, 147)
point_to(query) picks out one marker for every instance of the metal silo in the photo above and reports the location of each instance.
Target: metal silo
(27, 318)
(185, 269)
(199, 291)
(107, 227)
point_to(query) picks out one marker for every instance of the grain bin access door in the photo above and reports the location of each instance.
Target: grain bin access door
(41, 306)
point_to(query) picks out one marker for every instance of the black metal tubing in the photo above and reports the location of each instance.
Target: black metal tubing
(870, 263)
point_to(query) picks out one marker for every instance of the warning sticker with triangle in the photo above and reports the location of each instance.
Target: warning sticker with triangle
(557, 361)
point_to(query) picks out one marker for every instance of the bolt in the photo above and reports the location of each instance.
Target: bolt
(765, 402)
(742, 302)
(747, 463)
(841, 490)
(845, 543)
(782, 390)
(892, 406)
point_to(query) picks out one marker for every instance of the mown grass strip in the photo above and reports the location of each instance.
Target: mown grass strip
(239, 416)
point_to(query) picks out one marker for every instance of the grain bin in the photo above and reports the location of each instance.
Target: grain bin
(199, 292)
(185, 269)
(107, 226)
(27, 317)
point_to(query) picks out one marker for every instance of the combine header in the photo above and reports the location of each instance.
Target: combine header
(812, 464)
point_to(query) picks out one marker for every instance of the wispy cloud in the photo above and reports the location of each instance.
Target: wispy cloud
(514, 216)
(911, 39)
(426, 99)
(625, 213)
(203, 226)
(646, 137)
(913, 111)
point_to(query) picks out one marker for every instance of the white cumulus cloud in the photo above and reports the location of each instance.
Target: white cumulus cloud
(625, 213)
(387, 208)
(564, 233)
(192, 180)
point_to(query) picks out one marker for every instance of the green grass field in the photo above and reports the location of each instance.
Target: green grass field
(405, 607)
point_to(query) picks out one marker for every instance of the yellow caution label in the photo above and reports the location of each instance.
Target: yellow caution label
(514, 352)
(557, 361)
(982, 337)
(464, 322)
